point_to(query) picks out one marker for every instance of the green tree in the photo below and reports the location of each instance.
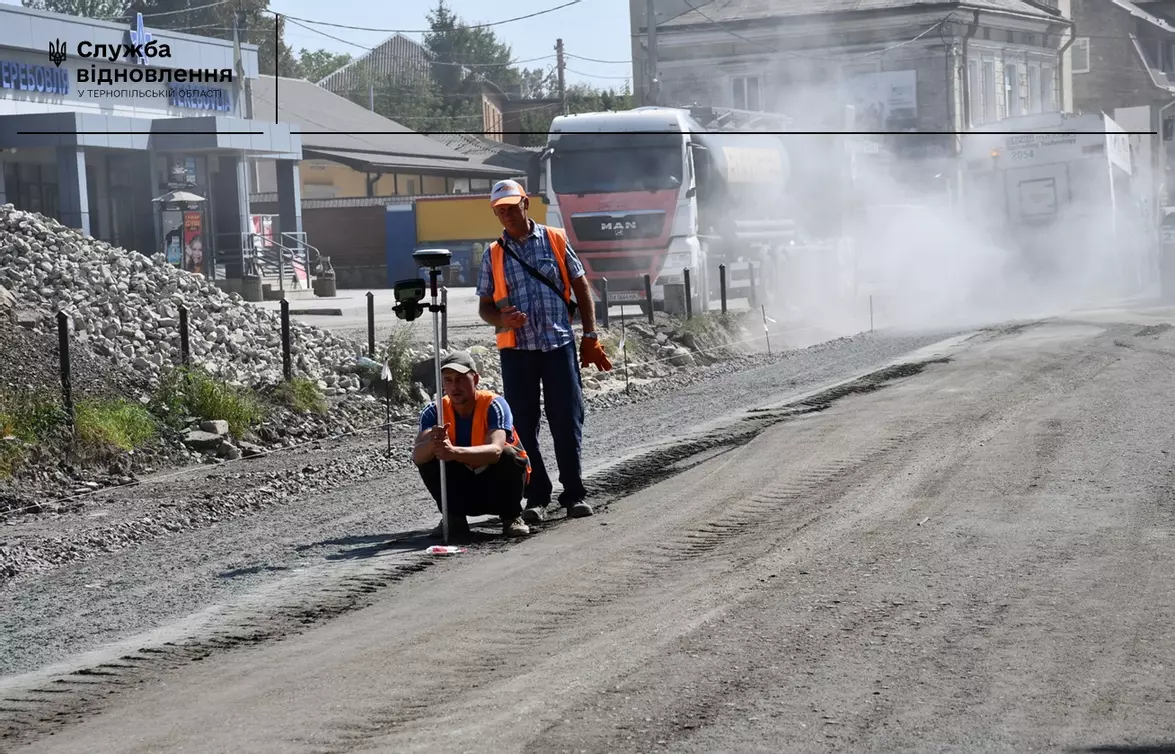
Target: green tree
(317, 65)
(216, 20)
(463, 58)
(410, 101)
(101, 9)
(581, 98)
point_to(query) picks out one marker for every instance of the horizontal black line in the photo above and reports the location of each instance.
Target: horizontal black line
(611, 133)
(140, 133)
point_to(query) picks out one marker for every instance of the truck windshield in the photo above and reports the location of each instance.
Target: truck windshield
(615, 170)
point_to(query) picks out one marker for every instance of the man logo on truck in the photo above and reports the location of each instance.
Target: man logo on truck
(619, 226)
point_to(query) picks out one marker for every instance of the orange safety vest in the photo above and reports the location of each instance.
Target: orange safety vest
(505, 336)
(481, 422)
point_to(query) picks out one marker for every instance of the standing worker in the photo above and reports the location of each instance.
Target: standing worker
(525, 285)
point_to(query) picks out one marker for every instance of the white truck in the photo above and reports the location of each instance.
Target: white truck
(1053, 188)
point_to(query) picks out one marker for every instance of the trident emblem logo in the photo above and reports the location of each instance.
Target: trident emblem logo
(57, 53)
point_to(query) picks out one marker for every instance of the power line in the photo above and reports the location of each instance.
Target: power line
(376, 51)
(168, 12)
(597, 76)
(430, 31)
(596, 60)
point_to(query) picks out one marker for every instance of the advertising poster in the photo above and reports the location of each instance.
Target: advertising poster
(173, 237)
(193, 242)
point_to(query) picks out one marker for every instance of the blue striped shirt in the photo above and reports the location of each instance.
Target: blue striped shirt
(548, 325)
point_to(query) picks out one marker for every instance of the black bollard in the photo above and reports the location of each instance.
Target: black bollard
(287, 365)
(66, 374)
(370, 325)
(689, 304)
(185, 343)
(604, 318)
(722, 285)
(649, 296)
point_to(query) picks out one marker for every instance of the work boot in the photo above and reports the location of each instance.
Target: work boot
(515, 528)
(579, 510)
(534, 515)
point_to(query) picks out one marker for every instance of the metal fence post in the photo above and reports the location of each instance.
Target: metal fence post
(287, 365)
(649, 296)
(66, 374)
(722, 285)
(370, 325)
(689, 304)
(185, 344)
(606, 305)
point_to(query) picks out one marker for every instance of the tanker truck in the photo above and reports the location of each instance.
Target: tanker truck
(650, 191)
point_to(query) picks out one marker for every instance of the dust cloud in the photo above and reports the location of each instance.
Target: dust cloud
(923, 246)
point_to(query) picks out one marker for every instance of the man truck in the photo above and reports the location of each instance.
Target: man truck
(650, 191)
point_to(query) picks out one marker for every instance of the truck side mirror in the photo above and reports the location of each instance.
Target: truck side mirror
(702, 167)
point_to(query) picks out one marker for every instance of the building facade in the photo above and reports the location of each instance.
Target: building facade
(1124, 66)
(99, 119)
(925, 71)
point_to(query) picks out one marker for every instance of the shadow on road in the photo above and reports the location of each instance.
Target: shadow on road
(251, 571)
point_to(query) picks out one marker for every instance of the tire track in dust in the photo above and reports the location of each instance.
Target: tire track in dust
(31, 710)
(538, 633)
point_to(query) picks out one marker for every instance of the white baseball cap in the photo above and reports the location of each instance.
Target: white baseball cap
(507, 192)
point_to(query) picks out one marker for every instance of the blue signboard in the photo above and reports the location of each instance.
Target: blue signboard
(200, 97)
(27, 77)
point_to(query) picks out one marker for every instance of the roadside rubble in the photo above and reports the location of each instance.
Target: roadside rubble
(123, 312)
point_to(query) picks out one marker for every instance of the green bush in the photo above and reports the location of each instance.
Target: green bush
(119, 423)
(30, 416)
(397, 354)
(187, 393)
(301, 394)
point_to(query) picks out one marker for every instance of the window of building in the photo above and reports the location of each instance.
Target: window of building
(1034, 91)
(479, 185)
(1011, 90)
(433, 184)
(408, 185)
(990, 113)
(31, 187)
(1080, 55)
(746, 93)
(1048, 89)
(975, 87)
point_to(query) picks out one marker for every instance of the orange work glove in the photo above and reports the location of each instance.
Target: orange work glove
(591, 352)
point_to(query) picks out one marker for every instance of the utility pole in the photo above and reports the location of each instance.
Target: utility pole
(651, 34)
(559, 65)
(243, 88)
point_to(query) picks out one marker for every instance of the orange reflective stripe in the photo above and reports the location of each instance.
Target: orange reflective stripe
(558, 243)
(504, 335)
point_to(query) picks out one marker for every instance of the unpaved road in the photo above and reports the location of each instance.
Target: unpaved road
(972, 553)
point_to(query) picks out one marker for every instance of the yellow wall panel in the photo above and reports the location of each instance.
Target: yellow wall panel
(463, 218)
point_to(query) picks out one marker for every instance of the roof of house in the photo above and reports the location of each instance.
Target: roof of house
(396, 55)
(734, 11)
(489, 152)
(336, 128)
(1139, 13)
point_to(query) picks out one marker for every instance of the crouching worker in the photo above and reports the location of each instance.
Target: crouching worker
(486, 469)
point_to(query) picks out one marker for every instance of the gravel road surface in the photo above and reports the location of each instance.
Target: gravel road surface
(967, 552)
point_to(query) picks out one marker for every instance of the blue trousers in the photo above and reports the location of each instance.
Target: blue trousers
(557, 373)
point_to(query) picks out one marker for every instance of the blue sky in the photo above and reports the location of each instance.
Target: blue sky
(592, 28)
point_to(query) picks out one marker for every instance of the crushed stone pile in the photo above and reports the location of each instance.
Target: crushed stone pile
(124, 306)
